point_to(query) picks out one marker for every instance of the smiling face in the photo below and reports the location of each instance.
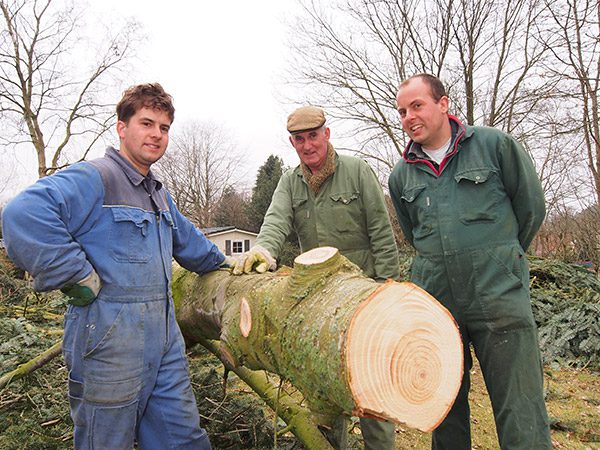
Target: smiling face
(144, 137)
(424, 119)
(311, 147)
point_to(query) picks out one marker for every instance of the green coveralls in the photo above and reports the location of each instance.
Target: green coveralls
(470, 221)
(348, 213)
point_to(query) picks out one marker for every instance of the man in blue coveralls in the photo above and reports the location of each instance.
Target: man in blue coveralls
(105, 232)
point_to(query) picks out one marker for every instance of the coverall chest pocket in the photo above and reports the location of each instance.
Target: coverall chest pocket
(345, 211)
(478, 194)
(418, 204)
(129, 235)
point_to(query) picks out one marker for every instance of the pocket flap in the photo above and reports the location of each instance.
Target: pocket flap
(410, 194)
(168, 218)
(344, 197)
(298, 201)
(138, 217)
(475, 175)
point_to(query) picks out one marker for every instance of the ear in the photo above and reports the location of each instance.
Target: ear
(444, 103)
(121, 129)
(327, 132)
(291, 140)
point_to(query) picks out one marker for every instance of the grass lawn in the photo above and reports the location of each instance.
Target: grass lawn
(572, 399)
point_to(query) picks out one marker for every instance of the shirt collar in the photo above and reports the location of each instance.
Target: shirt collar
(414, 151)
(135, 177)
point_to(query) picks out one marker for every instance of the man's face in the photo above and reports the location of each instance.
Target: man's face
(423, 119)
(144, 138)
(311, 147)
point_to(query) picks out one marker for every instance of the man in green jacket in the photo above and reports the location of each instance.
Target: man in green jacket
(329, 200)
(468, 199)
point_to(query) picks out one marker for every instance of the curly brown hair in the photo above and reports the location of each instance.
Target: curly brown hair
(149, 95)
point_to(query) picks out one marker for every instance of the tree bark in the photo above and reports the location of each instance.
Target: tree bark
(31, 365)
(299, 419)
(352, 346)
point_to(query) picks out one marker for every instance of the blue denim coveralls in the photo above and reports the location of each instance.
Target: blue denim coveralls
(128, 375)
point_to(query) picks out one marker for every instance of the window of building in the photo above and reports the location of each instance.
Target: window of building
(237, 247)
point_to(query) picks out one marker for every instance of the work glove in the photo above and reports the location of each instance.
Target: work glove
(229, 263)
(84, 291)
(257, 258)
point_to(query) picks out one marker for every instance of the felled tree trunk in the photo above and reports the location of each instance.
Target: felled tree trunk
(350, 345)
(299, 419)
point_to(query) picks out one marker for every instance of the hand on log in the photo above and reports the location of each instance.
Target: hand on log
(349, 344)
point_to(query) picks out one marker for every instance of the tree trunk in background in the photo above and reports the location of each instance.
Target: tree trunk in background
(350, 345)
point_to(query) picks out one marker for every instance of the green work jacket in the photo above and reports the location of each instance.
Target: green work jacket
(348, 213)
(485, 193)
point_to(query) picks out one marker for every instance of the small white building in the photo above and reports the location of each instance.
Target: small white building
(230, 240)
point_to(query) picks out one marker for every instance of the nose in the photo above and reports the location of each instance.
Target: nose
(155, 132)
(306, 145)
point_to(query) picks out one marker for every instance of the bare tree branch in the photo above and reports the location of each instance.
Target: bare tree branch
(201, 163)
(502, 61)
(47, 104)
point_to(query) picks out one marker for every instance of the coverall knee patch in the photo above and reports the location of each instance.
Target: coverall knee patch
(113, 426)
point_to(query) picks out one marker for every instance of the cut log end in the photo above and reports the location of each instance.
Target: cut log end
(312, 268)
(404, 357)
(316, 256)
(245, 317)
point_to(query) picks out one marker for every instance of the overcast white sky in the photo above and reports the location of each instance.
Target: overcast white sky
(221, 60)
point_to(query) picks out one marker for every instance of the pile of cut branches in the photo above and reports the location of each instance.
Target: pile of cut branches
(566, 307)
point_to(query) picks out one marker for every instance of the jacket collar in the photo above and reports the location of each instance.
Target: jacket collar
(299, 172)
(415, 154)
(131, 172)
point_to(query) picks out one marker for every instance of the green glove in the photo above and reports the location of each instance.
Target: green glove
(84, 291)
(257, 258)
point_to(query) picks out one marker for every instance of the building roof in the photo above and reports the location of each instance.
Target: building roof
(214, 231)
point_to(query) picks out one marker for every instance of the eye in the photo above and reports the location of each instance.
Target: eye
(402, 113)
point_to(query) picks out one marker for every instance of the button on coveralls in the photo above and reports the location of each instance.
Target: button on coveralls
(128, 374)
(470, 222)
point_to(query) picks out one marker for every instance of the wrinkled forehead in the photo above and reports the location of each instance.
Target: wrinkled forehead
(308, 133)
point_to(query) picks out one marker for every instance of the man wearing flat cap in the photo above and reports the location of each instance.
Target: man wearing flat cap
(329, 200)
